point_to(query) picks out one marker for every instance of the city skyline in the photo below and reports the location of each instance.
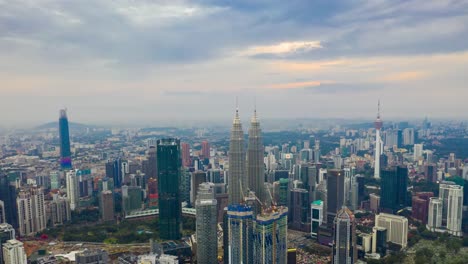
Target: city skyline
(133, 61)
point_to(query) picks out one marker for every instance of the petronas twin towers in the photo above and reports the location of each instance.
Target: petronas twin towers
(246, 174)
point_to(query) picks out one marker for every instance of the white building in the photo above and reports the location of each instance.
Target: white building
(13, 252)
(316, 217)
(434, 217)
(408, 136)
(417, 152)
(397, 228)
(72, 189)
(31, 211)
(452, 210)
(168, 259)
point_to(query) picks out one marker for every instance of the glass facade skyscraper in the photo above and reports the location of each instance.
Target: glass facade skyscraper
(394, 183)
(169, 170)
(64, 133)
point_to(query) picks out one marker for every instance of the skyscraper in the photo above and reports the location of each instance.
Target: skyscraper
(207, 246)
(240, 228)
(186, 162)
(237, 179)
(205, 151)
(270, 236)
(7, 232)
(255, 165)
(8, 196)
(393, 188)
(378, 144)
(335, 193)
(72, 189)
(451, 195)
(13, 252)
(106, 206)
(169, 170)
(344, 238)
(64, 133)
(31, 211)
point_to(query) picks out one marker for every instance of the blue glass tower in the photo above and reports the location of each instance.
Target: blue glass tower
(65, 152)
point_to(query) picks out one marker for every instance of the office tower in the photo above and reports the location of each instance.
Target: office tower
(58, 210)
(451, 195)
(106, 206)
(379, 240)
(198, 177)
(374, 200)
(255, 165)
(434, 218)
(54, 180)
(31, 211)
(131, 198)
(13, 252)
(8, 196)
(2, 213)
(116, 170)
(335, 193)
(354, 195)
(240, 234)
(152, 193)
(344, 238)
(270, 236)
(96, 256)
(408, 136)
(316, 217)
(7, 232)
(316, 152)
(65, 152)
(430, 172)
(205, 151)
(420, 205)
(237, 174)
(186, 161)
(393, 188)
(378, 144)
(417, 152)
(150, 164)
(308, 176)
(300, 210)
(283, 192)
(72, 189)
(397, 228)
(206, 224)
(169, 169)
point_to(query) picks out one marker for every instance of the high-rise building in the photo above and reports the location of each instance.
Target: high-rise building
(206, 224)
(378, 144)
(58, 210)
(64, 133)
(2, 213)
(408, 136)
(198, 177)
(73, 194)
(344, 238)
(300, 210)
(379, 240)
(393, 188)
(186, 161)
(8, 196)
(316, 217)
(107, 206)
(270, 236)
(7, 232)
(434, 218)
(335, 193)
(205, 151)
(116, 170)
(397, 228)
(420, 205)
(31, 211)
(169, 169)
(451, 196)
(237, 175)
(13, 252)
(417, 152)
(131, 198)
(54, 180)
(240, 234)
(255, 165)
(283, 192)
(152, 192)
(150, 164)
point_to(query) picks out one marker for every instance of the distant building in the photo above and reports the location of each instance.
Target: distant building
(13, 252)
(397, 228)
(31, 211)
(300, 210)
(186, 160)
(316, 217)
(393, 189)
(205, 151)
(335, 193)
(379, 240)
(131, 198)
(374, 202)
(8, 197)
(73, 194)
(344, 238)
(58, 210)
(255, 165)
(169, 169)
(64, 133)
(445, 212)
(420, 205)
(198, 177)
(7, 232)
(107, 206)
(417, 152)
(237, 173)
(96, 256)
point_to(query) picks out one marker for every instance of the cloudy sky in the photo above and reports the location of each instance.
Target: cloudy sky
(142, 61)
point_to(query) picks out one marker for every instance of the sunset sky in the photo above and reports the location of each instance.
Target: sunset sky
(140, 62)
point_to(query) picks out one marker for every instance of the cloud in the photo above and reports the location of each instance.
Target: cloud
(283, 48)
(294, 85)
(404, 76)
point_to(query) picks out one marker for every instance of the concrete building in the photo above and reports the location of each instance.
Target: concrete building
(255, 165)
(206, 224)
(344, 238)
(240, 234)
(31, 211)
(73, 194)
(107, 206)
(7, 232)
(397, 228)
(13, 252)
(237, 174)
(58, 210)
(317, 213)
(445, 212)
(96, 256)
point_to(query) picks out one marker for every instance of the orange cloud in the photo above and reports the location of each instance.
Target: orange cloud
(294, 85)
(307, 66)
(404, 76)
(282, 48)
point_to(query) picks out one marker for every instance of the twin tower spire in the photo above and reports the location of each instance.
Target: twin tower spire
(245, 173)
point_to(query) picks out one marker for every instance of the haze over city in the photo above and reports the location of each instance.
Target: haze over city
(144, 62)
